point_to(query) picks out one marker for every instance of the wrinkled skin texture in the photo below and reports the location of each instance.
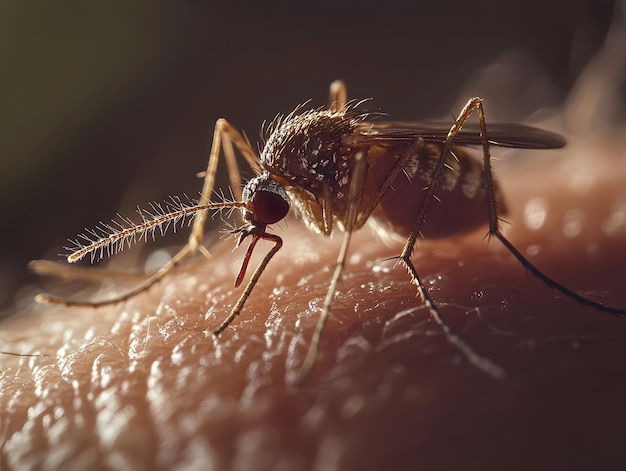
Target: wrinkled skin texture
(144, 385)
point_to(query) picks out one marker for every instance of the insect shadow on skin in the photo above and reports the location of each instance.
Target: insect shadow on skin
(339, 166)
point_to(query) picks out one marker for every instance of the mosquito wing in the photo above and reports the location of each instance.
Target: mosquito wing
(504, 134)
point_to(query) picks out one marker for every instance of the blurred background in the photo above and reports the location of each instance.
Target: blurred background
(106, 105)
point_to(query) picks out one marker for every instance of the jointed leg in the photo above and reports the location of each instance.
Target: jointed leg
(471, 105)
(278, 243)
(494, 221)
(482, 363)
(223, 131)
(160, 273)
(63, 270)
(357, 185)
(486, 365)
(229, 135)
(338, 96)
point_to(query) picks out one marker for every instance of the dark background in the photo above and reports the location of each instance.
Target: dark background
(108, 105)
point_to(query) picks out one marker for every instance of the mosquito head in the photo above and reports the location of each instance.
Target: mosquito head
(267, 201)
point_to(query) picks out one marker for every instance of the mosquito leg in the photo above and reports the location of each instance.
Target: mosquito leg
(197, 230)
(175, 260)
(278, 243)
(391, 176)
(338, 96)
(233, 169)
(494, 226)
(222, 129)
(475, 104)
(62, 270)
(229, 136)
(357, 185)
(430, 191)
(482, 363)
(554, 284)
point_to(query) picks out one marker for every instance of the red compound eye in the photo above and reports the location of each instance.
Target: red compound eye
(269, 199)
(269, 207)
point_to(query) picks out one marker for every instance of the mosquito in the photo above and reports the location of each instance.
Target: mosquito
(341, 166)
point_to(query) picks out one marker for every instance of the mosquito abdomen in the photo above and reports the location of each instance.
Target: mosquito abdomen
(460, 204)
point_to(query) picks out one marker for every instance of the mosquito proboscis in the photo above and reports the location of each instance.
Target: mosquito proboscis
(338, 165)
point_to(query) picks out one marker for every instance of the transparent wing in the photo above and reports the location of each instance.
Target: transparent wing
(504, 134)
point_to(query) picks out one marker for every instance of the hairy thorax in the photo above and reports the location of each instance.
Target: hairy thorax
(312, 154)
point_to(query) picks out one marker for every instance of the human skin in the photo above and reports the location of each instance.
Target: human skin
(145, 385)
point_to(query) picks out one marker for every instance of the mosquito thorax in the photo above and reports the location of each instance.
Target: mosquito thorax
(267, 200)
(312, 150)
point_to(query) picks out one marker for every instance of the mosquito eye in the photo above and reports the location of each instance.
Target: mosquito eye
(269, 199)
(269, 207)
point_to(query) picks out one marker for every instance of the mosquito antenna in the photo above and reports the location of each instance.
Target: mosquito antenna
(111, 237)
